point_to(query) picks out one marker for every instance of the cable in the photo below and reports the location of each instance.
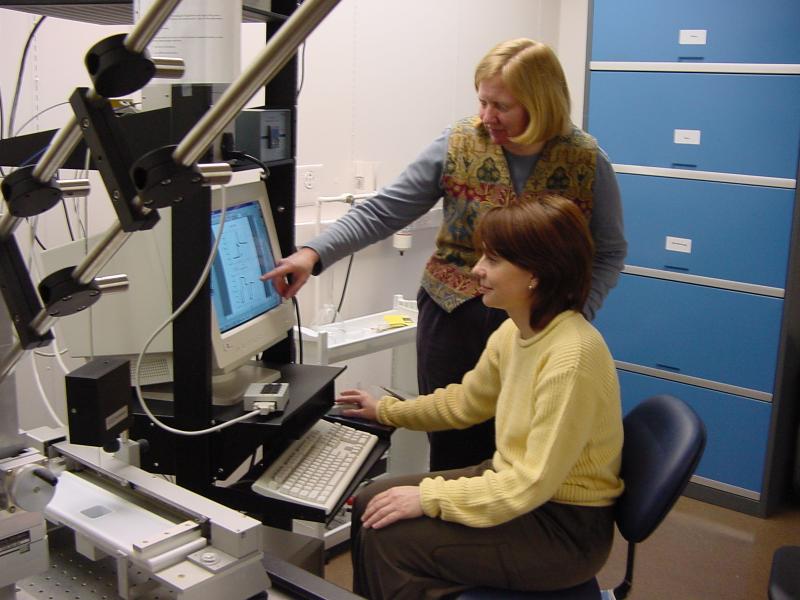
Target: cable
(302, 68)
(249, 157)
(29, 161)
(76, 211)
(45, 399)
(85, 222)
(35, 237)
(21, 72)
(192, 295)
(66, 217)
(34, 117)
(2, 127)
(16, 92)
(37, 379)
(58, 354)
(344, 287)
(34, 225)
(49, 354)
(299, 328)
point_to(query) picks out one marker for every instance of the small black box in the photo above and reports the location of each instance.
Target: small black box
(98, 397)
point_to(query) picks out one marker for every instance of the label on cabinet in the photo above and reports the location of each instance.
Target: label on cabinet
(692, 37)
(676, 244)
(687, 136)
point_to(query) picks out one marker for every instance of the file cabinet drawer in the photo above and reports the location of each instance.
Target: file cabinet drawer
(715, 334)
(737, 427)
(709, 229)
(746, 124)
(711, 31)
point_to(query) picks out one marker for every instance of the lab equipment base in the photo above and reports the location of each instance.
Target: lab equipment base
(298, 560)
(71, 575)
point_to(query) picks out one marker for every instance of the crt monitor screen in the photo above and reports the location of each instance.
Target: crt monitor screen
(244, 254)
(247, 315)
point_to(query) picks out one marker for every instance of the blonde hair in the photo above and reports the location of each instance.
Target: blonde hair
(534, 76)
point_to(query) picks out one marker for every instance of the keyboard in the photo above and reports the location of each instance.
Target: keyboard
(316, 469)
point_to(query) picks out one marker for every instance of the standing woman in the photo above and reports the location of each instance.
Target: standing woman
(520, 144)
(539, 514)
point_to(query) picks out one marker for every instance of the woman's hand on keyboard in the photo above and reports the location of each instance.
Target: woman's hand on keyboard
(362, 404)
(395, 504)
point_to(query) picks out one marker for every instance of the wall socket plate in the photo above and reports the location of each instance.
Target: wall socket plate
(309, 181)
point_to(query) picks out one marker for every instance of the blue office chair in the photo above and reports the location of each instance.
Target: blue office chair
(784, 577)
(664, 440)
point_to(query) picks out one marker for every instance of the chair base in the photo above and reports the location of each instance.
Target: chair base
(585, 591)
(784, 579)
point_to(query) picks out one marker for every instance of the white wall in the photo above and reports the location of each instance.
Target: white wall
(382, 79)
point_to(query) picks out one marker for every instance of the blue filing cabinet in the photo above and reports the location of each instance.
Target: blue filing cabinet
(698, 107)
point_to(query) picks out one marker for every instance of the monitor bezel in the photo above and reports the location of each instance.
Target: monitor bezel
(235, 347)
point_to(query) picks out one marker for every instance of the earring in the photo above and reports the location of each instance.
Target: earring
(531, 286)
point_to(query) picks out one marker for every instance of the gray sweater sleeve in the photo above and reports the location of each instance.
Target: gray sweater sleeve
(419, 187)
(609, 236)
(400, 203)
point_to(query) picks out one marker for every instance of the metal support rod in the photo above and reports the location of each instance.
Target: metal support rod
(67, 138)
(11, 359)
(61, 146)
(277, 52)
(98, 256)
(74, 187)
(112, 283)
(69, 187)
(8, 224)
(147, 27)
(168, 67)
(215, 173)
(42, 322)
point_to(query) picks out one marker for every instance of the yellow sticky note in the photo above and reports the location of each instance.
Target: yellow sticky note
(397, 320)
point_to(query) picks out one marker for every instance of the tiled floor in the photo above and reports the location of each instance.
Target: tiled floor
(700, 552)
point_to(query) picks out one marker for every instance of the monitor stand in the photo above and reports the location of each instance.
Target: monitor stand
(227, 389)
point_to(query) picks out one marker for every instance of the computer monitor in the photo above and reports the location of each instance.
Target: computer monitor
(248, 316)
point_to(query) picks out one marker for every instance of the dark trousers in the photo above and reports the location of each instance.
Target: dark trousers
(449, 345)
(553, 547)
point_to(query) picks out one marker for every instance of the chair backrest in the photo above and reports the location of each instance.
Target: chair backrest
(664, 440)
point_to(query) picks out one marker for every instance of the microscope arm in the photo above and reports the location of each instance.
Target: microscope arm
(274, 56)
(108, 83)
(166, 173)
(117, 65)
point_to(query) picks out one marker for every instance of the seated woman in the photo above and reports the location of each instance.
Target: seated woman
(539, 514)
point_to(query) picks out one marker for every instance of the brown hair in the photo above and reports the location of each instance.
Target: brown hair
(534, 76)
(549, 237)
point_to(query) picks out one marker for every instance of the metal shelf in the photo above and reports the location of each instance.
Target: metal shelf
(343, 340)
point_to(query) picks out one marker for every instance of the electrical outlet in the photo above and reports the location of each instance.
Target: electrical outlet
(364, 175)
(309, 180)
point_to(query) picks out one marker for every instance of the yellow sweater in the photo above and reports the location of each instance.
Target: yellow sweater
(555, 398)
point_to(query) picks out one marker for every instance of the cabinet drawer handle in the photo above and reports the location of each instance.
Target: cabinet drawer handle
(674, 268)
(668, 367)
(683, 166)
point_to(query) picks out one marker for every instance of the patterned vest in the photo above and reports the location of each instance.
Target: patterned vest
(476, 177)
